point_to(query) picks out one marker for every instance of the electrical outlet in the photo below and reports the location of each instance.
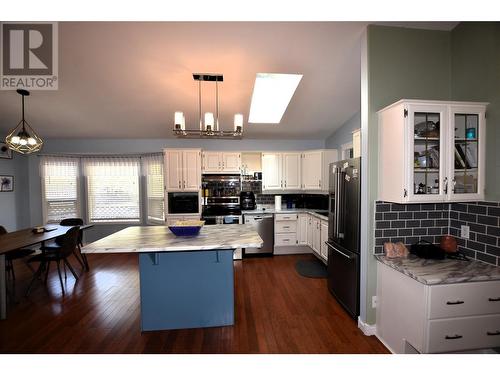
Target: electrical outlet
(374, 302)
(464, 231)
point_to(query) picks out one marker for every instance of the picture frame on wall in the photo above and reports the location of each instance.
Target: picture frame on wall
(6, 183)
(5, 151)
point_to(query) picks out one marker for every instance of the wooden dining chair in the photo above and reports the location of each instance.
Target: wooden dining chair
(82, 258)
(56, 253)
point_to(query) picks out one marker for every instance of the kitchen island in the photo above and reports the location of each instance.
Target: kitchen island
(185, 282)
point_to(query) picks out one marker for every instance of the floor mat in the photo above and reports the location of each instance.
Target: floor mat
(311, 268)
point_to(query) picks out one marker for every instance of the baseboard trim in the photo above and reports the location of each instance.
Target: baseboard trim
(367, 329)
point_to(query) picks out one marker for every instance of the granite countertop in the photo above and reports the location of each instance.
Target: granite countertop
(447, 271)
(322, 214)
(149, 239)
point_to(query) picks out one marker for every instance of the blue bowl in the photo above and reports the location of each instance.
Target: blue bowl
(185, 231)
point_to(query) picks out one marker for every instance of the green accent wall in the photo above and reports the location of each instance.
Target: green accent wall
(475, 69)
(402, 63)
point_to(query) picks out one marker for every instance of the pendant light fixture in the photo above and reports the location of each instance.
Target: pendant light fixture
(208, 122)
(23, 138)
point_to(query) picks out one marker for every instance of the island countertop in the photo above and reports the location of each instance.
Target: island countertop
(447, 271)
(148, 239)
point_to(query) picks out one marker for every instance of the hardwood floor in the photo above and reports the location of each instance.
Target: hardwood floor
(277, 311)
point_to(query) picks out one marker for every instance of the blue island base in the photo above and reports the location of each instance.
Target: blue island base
(186, 289)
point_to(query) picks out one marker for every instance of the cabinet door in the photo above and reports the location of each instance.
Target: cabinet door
(302, 226)
(427, 181)
(312, 167)
(192, 170)
(231, 162)
(309, 231)
(466, 153)
(356, 143)
(271, 172)
(212, 162)
(173, 170)
(291, 171)
(316, 235)
(323, 239)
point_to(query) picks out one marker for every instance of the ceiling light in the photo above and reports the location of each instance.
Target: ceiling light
(209, 128)
(23, 138)
(271, 94)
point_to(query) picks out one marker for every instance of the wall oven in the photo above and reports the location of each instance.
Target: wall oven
(183, 203)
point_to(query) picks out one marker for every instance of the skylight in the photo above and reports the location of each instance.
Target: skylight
(271, 94)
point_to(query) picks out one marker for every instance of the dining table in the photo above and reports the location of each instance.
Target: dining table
(21, 239)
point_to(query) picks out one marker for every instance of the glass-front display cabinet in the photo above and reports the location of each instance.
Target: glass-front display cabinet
(431, 151)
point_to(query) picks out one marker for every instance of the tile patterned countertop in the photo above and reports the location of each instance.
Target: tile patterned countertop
(448, 271)
(321, 214)
(149, 239)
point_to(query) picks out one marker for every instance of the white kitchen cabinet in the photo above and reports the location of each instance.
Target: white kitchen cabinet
(182, 169)
(431, 151)
(324, 238)
(315, 173)
(251, 162)
(316, 235)
(412, 316)
(271, 171)
(297, 171)
(310, 232)
(173, 218)
(221, 162)
(356, 143)
(292, 171)
(302, 227)
(211, 162)
(231, 162)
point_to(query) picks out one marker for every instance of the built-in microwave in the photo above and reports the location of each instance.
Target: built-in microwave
(183, 203)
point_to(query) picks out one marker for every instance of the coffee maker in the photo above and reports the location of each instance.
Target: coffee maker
(247, 200)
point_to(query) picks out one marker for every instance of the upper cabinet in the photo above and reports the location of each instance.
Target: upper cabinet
(297, 171)
(272, 178)
(431, 151)
(221, 162)
(182, 169)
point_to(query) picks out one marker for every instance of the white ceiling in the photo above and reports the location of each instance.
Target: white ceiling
(125, 80)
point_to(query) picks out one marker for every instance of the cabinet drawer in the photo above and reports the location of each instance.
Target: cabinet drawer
(447, 335)
(454, 300)
(286, 227)
(285, 239)
(285, 217)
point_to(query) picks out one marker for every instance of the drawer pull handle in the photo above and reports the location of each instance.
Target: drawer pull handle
(454, 302)
(453, 337)
(494, 299)
(496, 333)
(286, 227)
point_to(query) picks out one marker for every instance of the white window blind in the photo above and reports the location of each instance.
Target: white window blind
(113, 189)
(152, 167)
(59, 188)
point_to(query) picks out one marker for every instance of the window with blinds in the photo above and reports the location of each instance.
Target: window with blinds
(60, 188)
(113, 193)
(153, 172)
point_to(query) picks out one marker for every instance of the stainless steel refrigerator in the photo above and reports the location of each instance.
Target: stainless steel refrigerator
(343, 233)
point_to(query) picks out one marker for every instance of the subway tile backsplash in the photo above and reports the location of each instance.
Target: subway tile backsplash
(410, 223)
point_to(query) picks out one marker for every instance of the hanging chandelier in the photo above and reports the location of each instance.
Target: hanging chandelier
(23, 138)
(208, 124)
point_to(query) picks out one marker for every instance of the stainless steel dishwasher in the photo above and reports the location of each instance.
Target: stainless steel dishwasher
(264, 225)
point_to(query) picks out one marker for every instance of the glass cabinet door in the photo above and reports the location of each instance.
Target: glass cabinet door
(465, 168)
(427, 140)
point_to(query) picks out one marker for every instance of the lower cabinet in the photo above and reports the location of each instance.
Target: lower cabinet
(172, 219)
(300, 233)
(414, 317)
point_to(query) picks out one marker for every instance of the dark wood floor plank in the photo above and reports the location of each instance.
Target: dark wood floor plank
(276, 311)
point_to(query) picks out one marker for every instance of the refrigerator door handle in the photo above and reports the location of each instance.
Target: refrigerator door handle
(340, 252)
(341, 206)
(337, 200)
